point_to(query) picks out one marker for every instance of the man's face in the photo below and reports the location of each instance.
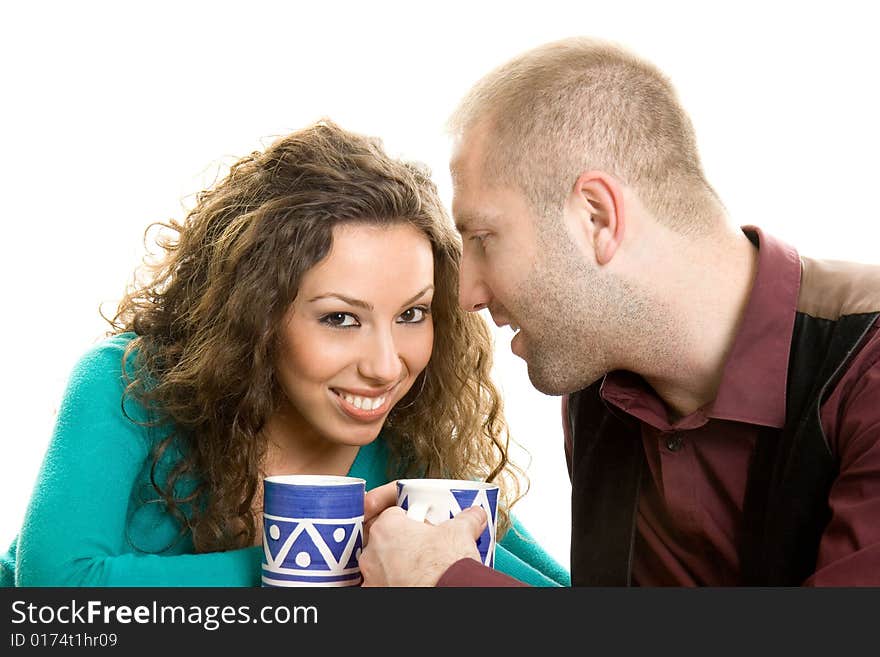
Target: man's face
(530, 275)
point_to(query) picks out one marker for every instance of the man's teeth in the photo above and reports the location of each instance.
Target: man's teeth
(364, 403)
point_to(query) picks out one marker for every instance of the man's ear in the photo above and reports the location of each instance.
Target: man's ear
(596, 208)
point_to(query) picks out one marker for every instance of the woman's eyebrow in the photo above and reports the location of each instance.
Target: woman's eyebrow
(342, 297)
(415, 297)
(364, 304)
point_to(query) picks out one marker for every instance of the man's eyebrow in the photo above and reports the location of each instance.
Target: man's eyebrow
(363, 304)
(464, 221)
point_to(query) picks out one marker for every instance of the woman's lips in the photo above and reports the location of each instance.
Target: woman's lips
(360, 407)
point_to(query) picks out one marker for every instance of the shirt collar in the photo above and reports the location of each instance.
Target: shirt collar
(755, 375)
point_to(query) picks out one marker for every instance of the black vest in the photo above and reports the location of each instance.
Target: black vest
(791, 472)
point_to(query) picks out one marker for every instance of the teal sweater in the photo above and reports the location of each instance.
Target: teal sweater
(86, 526)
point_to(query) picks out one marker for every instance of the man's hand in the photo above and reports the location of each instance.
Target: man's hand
(403, 552)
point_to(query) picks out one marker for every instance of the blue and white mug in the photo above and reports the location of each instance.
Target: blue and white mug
(438, 500)
(313, 529)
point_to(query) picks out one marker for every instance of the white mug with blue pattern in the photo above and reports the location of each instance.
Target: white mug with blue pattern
(438, 500)
(312, 530)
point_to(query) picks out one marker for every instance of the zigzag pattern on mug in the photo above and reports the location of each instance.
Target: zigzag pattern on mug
(466, 498)
(312, 546)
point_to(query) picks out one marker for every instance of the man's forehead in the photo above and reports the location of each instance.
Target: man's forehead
(461, 169)
(456, 173)
(468, 153)
(468, 193)
(477, 203)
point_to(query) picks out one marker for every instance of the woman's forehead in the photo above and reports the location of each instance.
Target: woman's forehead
(366, 260)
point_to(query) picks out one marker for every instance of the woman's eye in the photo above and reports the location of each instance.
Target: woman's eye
(340, 320)
(413, 315)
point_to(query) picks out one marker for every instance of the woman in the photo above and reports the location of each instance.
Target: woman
(303, 319)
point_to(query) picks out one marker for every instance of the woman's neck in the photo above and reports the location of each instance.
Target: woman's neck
(294, 447)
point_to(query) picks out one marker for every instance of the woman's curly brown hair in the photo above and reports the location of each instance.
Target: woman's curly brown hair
(207, 324)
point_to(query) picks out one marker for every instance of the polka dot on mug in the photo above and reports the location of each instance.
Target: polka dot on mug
(274, 532)
(303, 560)
(338, 535)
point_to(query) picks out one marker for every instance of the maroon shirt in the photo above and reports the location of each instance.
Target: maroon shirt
(691, 505)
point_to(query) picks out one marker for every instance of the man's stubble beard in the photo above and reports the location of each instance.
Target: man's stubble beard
(579, 318)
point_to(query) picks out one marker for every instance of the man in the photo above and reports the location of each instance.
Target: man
(720, 393)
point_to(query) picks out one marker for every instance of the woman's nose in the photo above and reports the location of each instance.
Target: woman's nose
(381, 360)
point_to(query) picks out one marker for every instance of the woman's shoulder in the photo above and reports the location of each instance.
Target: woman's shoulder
(102, 362)
(107, 351)
(98, 373)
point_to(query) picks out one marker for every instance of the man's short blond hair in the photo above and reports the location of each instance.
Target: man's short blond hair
(580, 104)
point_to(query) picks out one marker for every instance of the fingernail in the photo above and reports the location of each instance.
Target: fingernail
(475, 510)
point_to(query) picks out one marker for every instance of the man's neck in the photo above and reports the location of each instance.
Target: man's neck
(708, 288)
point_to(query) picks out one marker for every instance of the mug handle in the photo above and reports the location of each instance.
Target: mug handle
(418, 511)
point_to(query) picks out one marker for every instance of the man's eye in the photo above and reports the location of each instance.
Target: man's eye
(480, 240)
(413, 315)
(340, 320)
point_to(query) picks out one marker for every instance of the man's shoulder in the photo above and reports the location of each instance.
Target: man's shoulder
(831, 289)
(850, 405)
(866, 356)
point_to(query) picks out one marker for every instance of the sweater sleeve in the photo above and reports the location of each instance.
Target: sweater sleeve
(518, 554)
(74, 530)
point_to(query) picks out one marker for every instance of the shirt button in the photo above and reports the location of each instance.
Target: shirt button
(673, 442)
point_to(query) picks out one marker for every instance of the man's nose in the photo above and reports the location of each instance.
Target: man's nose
(473, 293)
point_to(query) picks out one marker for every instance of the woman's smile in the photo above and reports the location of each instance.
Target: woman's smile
(362, 405)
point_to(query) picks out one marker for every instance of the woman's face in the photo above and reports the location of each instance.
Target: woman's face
(358, 334)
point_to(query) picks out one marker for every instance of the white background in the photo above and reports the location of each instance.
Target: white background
(115, 114)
